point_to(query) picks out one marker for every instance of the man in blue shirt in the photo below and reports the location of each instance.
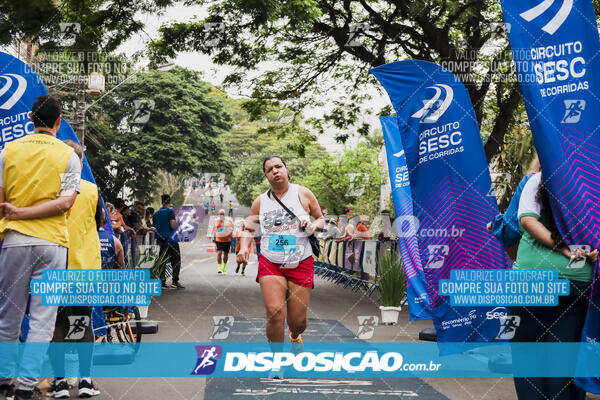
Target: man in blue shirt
(166, 236)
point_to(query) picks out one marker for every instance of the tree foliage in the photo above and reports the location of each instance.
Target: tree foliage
(324, 49)
(249, 180)
(352, 180)
(105, 24)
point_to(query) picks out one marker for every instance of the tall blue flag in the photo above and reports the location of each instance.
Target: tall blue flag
(19, 88)
(555, 46)
(450, 185)
(416, 283)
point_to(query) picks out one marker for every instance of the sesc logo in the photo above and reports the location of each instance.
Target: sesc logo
(434, 108)
(19, 90)
(556, 21)
(496, 313)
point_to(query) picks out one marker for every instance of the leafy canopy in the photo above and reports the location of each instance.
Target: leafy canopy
(181, 136)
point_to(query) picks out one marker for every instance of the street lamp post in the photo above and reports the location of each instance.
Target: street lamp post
(95, 85)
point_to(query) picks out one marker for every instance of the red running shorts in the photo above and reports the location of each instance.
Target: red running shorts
(303, 274)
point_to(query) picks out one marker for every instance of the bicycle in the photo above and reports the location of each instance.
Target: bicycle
(123, 324)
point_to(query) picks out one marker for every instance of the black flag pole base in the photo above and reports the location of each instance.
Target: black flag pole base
(428, 334)
(148, 327)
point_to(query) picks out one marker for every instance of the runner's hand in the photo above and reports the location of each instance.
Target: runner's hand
(242, 256)
(307, 227)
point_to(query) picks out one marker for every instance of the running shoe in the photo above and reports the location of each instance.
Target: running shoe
(165, 286)
(177, 285)
(297, 344)
(87, 388)
(297, 340)
(59, 389)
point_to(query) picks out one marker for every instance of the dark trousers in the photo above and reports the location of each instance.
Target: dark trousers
(174, 255)
(73, 324)
(563, 323)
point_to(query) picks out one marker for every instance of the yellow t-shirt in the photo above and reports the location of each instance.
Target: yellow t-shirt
(84, 247)
(33, 167)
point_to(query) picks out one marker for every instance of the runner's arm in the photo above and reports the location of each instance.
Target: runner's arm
(314, 210)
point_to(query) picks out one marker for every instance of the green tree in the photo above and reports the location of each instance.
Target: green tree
(181, 136)
(104, 24)
(352, 180)
(249, 180)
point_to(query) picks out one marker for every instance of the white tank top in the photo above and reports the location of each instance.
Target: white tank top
(282, 242)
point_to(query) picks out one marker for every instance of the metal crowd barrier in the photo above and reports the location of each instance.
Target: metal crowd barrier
(352, 263)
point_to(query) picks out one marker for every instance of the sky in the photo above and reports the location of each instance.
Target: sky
(216, 73)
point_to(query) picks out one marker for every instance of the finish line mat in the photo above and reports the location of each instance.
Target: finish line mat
(239, 329)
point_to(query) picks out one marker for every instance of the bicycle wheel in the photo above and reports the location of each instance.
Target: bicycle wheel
(135, 325)
(113, 322)
(123, 325)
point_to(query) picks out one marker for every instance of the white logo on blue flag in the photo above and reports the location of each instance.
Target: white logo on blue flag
(21, 86)
(573, 111)
(437, 255)
(556, 21)
(434, 108)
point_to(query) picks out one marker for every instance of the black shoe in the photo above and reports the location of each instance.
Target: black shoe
(177, 285)
(59, 389)
(237, 269)
(23, 394)
(165, 286)
(6, 391)
(87, 388)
